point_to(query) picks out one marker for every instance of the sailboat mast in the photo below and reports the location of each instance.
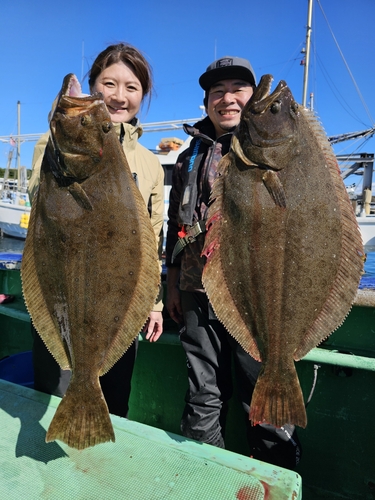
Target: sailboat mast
(18, 135)
(307, 60)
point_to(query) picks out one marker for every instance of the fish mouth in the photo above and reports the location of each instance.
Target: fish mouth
(71, 101)
(74, 156)
(261, 132)
(72, 108)
(76, 105)
(267, 128)
(262, 98)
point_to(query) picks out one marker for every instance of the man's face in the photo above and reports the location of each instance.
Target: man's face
(226, 99)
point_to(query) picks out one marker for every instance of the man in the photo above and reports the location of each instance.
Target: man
(228, 84)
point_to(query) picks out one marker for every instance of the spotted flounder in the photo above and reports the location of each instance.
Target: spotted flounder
(284, 252)
(90, 269)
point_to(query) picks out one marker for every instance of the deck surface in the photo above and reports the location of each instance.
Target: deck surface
(144, 464)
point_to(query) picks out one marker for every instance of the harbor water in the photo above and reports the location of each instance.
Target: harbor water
(370, 264)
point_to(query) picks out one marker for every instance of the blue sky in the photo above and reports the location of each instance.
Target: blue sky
(42, 41)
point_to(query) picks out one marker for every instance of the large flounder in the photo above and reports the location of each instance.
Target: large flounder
(284, 253)
(90, 272)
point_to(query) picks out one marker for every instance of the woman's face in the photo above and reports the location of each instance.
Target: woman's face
(122, 91)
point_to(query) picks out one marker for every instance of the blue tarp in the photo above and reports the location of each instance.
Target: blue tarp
(10, 260)
(367, 282)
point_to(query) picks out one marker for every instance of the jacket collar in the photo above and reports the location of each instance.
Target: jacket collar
(205, 130)
(132, 132)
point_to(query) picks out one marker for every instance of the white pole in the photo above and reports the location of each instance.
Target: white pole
(19, 134)
(307, 60)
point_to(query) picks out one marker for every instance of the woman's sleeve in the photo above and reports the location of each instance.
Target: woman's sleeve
(36, 164)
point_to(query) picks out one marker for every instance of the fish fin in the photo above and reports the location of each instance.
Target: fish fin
(275, 188)
(213, 275)
(278, 400)
(80, 196)
(221, 300)
(35, 300)
(82, 418)
(345, 285)
(146, 288)
(238, 151)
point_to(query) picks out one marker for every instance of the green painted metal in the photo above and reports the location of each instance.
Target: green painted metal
(15, 332)
(15, 336)
(356, 334)
(143, 464)
(340, 359)
(10, 282)
(16, 310)
(338, 460)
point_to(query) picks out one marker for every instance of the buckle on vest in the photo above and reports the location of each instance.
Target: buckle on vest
(190, 236)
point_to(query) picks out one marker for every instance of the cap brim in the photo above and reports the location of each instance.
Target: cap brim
(226, 73)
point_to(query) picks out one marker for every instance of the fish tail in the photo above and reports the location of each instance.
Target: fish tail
(278, 401)
(81, 420)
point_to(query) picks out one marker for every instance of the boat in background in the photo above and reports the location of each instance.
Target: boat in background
(361, 193)
(358, 164)
(168, 158)
(14, 201)
(367, 228)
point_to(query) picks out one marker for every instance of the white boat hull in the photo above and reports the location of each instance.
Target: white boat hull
(367, 228)
(14, 219)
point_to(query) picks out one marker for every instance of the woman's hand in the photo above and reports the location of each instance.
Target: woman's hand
(154, 326)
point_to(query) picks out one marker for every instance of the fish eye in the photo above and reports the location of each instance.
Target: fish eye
(294, 106)
(106, 126)
(275, 107)
(85, 120)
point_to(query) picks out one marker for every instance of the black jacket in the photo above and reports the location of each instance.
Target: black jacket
(189, 197)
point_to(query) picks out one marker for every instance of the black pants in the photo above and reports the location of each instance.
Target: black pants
(209, 350)
(116, 384)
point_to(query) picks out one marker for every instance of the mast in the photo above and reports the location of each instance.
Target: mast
(18, 136)
(307, 60)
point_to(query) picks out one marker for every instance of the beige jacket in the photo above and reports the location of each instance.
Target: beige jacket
(149, 178)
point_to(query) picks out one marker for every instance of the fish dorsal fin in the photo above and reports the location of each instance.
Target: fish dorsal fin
(345, 285)
(213, 275)
(33, 294)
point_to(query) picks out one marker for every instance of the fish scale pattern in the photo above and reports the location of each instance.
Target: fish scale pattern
(284, 251)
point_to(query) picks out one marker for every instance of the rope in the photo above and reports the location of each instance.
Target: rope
(316, 368)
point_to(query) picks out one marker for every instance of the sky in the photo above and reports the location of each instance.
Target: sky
(42, 41)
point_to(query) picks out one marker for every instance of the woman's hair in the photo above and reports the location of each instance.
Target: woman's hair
(130, 56)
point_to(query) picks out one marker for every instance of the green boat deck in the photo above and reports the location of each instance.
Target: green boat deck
(143, 464)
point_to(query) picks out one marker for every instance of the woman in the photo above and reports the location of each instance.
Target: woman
(124, 77)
